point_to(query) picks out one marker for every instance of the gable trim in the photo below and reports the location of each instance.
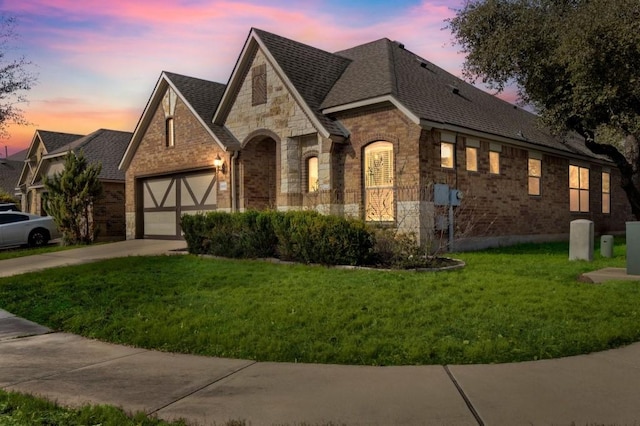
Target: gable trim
(374, 101)
(244, 62)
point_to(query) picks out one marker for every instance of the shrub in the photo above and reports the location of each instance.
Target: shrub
(302, 236)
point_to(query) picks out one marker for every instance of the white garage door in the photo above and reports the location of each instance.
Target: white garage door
(167, 198)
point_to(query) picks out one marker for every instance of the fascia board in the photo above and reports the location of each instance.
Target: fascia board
(374, 101)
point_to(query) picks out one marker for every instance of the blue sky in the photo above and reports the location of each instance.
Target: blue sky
(98, 61)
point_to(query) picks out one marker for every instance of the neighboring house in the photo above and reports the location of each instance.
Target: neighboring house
(46, 157)
(10, 169)
(363, 132)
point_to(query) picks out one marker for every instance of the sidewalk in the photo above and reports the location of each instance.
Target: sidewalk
(600, 388)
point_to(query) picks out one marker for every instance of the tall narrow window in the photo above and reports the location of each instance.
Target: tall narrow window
(312, 174)
(535, 174)
(378, 182)
(494, 162)
(606, 192)
(578, 189)
(447, 151)
(259, 85)
(472, 158)
(170, 137)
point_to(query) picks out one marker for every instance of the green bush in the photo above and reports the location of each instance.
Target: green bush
(301, 236)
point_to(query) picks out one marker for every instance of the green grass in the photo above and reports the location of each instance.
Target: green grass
(28, 251)
(18, 409)
(512, 304)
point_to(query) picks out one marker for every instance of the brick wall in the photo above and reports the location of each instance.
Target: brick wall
(195, 149)
(108, 212)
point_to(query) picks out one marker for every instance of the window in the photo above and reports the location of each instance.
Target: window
(535, 173)
(259, 85)
(472, 158)
(378, 182)
(447, 151)
(170, 133)
(606, 192)
(312, 174)
(578, 189)
(494, 162)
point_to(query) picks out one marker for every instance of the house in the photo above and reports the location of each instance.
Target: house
(374, 132)
(10, 169)
(45, 157)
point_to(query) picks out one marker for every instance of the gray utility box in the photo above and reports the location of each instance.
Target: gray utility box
(633, 248)
(581, 240)
(606, 245)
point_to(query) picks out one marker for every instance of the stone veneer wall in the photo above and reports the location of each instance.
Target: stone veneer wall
(285, 119)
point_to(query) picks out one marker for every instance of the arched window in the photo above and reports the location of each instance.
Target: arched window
(312, 174)
(378, 182)
(170, 136)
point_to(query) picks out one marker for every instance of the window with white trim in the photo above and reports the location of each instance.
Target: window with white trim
(170, 133)
(447, 153)
(494, 162)
(472, 158)
(378, 182)
(535, 175)
(578, 189)
(606, 192)
(312, 174)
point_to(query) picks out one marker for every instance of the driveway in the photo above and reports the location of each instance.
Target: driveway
(88, 254)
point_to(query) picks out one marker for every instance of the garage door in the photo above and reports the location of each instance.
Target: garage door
(167, 198)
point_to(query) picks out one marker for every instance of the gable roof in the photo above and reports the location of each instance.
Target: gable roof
(308, 72)
(102, 146)
(200, 96)
(50, 140)
(10, 171)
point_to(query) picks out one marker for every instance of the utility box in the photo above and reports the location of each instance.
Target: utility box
(633, 248)
(581, 240)
(606, 245)
(440, 194)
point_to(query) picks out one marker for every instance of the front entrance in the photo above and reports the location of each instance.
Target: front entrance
(165, 199)
(260, 174)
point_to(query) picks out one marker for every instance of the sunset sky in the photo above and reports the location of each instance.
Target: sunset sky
(97, 62)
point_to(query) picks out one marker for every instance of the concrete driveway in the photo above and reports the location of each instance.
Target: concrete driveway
(87, 254)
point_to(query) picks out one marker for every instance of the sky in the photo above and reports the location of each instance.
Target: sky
(98, 62)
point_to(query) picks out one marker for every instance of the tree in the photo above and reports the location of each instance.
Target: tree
(577, 62)
(71, 194)
(15, 77)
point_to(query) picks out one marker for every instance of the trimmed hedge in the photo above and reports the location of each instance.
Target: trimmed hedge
(301, 236)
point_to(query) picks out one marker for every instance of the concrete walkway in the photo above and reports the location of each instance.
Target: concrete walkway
(600, 388)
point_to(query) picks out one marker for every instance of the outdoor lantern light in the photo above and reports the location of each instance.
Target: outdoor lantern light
(218, 163)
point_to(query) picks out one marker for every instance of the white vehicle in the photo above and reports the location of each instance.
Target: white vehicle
(17, 229)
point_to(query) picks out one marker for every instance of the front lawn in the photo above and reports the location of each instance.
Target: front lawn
(512, 304)
(30, 251)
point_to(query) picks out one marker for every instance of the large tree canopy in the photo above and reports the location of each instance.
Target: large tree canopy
(15, 76)
(577, 62)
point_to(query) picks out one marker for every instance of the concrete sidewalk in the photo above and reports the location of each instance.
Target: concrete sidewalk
(600, 388)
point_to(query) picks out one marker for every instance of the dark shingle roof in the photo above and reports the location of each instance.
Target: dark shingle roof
(313, 72)
(54, 140)
(102, 146)
(204, 97)
(384, 67)
(10, 171)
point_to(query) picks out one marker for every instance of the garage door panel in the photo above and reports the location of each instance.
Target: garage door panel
(160, 223)
(165, 199)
